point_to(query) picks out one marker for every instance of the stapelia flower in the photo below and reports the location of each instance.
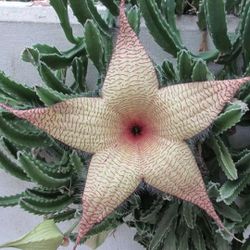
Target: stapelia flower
(136, 130)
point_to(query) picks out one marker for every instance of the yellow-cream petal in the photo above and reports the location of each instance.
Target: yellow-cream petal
(171, 167)
(185, 110)
(83, 123)
(113, 175)
(131, 79)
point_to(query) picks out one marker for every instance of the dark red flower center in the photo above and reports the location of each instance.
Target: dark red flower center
(136, 130)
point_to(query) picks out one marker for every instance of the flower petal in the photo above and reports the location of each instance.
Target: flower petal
(83, 123)
(131, 77)
(113, 175)
(171, 167)
(187, 109)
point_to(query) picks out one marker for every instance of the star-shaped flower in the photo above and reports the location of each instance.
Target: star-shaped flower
(136, 131)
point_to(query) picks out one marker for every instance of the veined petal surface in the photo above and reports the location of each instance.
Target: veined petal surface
(131, 77)
(171, 167)
(184, 110)
(83, 123)
(113, 176)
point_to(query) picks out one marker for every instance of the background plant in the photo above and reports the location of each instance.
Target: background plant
(59, 172)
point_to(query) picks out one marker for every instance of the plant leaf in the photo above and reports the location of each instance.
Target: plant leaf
(168, 71)
(198, 239)
(45, 236)
(230, 117)
(94, 47)
(112, 6)
(63, 216)
(49, 96)
(102, 25)
(52, 57)
(97, 240)
(224, 158)
(231, 189)
(164, 225)
(228, 212)
(244, 160)
(159, 28)
(201, 72)
(183, 243)
(246, 36)
(185, 66)
(17, 91)
(170, 241)
(80, 10)
(35, 139)
(170, 7)
(51, 80)
(216, 20)
(79, 70)
(10, 201)
(45, 206)
(202, 23)
(61, 8)
(189, 214)
(10, 164)
(134, 18)
(34, 170)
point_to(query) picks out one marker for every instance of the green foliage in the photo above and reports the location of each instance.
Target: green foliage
(63, 216)
(201, 71)
(44, 236)
(185, 66)
(22, 133)
(161, 30)
(94, 44)
(51, 80)
(9, 201)
(112, 6)
(38, 205)
(216, 20)
(17, 91)
(232, 115)
(59, 173)
(224, 158)
(41, 173)
(49, 96)
(164, 226)
(134, 16)
(9, 163)
(61, 8)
